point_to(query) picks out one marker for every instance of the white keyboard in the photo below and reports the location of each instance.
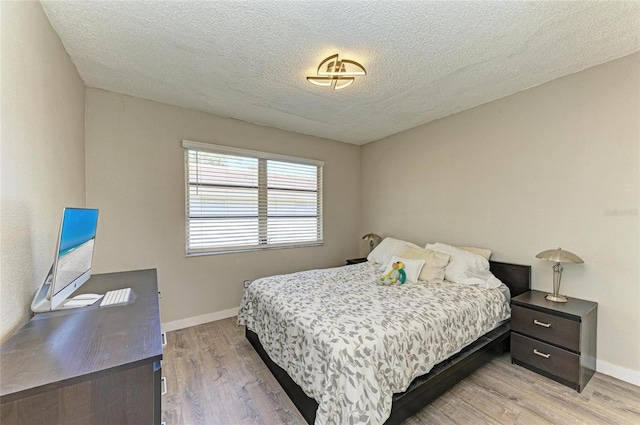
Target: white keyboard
(118, 296)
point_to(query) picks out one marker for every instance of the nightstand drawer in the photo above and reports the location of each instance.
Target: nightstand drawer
(553, 329)
(548, 358)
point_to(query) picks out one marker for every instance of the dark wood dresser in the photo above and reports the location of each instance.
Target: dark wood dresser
(557, 340)
(91, 365)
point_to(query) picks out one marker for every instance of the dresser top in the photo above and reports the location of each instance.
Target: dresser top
(58, 348)
(574, 307)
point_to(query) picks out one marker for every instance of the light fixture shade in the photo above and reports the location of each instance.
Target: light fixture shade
(559, 256)
(336, 72)
(372, 237)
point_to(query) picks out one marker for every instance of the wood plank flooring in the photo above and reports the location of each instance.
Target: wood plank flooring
(215, 377)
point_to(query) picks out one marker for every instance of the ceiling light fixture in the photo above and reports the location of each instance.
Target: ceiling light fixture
(340, 73)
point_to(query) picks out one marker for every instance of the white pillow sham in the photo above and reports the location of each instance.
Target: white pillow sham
(382, 253)
(466, 267)
(412, 267)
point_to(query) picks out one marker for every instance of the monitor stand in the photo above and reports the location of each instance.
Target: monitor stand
(41, 301)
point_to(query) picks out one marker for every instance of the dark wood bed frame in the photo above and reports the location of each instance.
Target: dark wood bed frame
(441, 378)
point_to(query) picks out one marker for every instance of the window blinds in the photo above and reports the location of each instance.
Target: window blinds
(240, 200)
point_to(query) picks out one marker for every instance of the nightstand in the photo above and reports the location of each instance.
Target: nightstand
(356, 261)
(557, 340)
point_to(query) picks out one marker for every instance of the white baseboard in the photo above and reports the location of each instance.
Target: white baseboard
(619, 372)
(199, 320)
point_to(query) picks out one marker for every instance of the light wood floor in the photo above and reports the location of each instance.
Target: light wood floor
(215, 377)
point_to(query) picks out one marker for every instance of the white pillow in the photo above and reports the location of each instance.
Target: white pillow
(385, 250)
(465, 267)
(412, 268)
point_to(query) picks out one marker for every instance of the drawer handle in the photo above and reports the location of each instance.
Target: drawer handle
(539, 323)
(164, 339)
(546, 356)
(164, 385)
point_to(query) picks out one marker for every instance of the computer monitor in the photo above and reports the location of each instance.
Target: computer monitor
(72, 262)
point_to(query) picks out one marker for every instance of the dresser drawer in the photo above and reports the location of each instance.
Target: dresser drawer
(554, 360)
(553, 329)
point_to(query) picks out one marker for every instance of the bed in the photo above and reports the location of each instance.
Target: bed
(357, 352)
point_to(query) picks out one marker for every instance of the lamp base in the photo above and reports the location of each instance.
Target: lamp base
(557, 298)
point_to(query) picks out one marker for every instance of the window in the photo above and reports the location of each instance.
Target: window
(241, 200)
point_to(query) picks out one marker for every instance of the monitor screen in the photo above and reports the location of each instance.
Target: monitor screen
(74, 256)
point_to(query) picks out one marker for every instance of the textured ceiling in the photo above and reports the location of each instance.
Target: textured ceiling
(248, 60)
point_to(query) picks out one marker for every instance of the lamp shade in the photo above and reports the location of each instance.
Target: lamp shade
(559, 256)
(372, 237)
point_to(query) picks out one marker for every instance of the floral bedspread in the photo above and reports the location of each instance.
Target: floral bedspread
(350, 343)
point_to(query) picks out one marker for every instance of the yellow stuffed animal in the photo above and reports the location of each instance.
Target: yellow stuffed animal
(395, 275)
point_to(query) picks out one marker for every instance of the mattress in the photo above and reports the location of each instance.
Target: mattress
(351, 343)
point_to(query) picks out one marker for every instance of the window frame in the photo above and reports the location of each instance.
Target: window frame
(263, 245)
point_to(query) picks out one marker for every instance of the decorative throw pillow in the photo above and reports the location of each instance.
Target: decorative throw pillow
(434, 262)
(412, 267)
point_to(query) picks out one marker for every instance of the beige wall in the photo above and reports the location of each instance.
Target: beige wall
(553, 166)
(42, 153)
(135, 176)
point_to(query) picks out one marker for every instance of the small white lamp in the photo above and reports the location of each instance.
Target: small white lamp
(559, 256)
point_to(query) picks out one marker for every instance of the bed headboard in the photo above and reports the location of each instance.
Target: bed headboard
(516, 276)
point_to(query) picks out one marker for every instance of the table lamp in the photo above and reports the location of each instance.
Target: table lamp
(373, 240)
(559, 256)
